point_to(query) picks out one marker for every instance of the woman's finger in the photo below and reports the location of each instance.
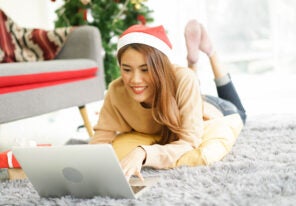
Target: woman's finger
(129, 173)
(138, 173)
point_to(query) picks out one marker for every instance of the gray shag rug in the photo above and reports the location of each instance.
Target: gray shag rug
(260, 170)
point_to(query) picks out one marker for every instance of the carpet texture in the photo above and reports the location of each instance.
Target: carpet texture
(260, 170)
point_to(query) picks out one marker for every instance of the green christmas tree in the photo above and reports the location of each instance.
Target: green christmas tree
(111, 17)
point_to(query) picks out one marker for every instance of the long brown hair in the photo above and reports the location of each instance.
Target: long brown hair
(164, 106)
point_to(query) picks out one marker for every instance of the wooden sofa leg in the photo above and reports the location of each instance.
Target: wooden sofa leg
(86, 121)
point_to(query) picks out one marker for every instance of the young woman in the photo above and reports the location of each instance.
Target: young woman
(155, 115)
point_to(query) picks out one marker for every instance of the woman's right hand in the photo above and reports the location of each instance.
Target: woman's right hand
(132, 163)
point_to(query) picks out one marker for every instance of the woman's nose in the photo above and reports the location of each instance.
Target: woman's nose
(136, 77)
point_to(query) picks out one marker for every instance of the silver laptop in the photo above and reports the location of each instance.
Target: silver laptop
(82, 171)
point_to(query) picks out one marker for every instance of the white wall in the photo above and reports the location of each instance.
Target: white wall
(174, 14)
(30, 13)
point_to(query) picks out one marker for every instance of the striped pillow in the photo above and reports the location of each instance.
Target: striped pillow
(19, 44)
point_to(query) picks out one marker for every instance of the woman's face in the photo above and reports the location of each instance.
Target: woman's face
(135, 75)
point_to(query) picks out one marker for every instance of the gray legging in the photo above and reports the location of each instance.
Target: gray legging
(228, 101)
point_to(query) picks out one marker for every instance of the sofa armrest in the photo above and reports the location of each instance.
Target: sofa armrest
(84, 42)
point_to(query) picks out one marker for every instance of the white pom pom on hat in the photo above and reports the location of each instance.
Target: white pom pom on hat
(152, 36)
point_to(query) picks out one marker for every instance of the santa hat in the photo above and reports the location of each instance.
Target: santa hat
(152, 36)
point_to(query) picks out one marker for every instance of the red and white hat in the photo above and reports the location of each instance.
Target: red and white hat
(152, 36)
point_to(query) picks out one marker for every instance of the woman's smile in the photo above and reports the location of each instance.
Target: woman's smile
(138, 89)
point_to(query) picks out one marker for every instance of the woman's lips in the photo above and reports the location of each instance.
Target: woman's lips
(138, 89)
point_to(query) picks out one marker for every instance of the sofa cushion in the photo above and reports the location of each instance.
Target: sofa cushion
(29, 75)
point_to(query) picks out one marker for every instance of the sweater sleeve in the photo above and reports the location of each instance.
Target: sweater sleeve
(102, 136)
(110, 122)
(190, 105)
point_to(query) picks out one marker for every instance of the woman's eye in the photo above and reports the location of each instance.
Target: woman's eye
(126, 69)
(144, 70)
